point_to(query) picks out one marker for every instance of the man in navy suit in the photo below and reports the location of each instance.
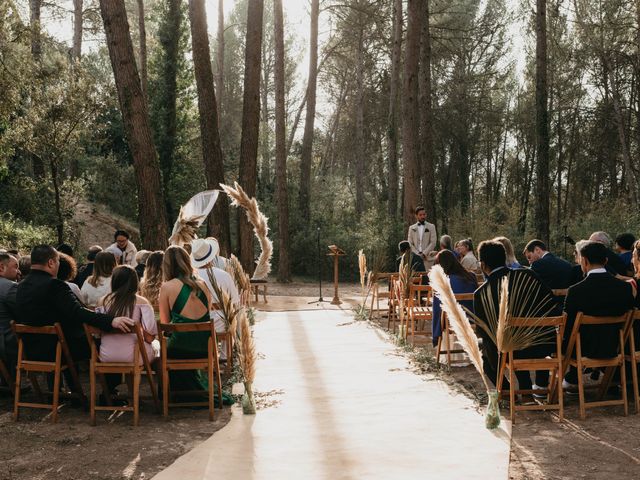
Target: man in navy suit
(554, 272)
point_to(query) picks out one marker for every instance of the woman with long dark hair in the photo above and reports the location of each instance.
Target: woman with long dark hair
(462, 281)
(123, 301)
(152, 281)
(99, 283)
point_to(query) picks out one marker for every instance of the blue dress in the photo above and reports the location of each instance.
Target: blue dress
(459, 284)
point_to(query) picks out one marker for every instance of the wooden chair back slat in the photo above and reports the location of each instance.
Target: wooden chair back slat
(186, 327)
(558, 321)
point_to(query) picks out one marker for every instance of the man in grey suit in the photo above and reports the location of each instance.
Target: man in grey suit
(8, 276)
(423, 238)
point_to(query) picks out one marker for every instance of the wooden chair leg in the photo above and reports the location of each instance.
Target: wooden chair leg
(439, 349)
(512, 391)
(580, 380)
(136, 397)
(448, 341)
(165, 391)
(92, 393)
(16, 395)
(56, 394)
(634, 371)
(623, 375)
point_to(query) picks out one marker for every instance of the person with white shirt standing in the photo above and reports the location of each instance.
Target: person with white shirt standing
(423, 238)
(203, 259)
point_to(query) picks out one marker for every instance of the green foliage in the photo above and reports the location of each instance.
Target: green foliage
(15, 233)
(112, 183)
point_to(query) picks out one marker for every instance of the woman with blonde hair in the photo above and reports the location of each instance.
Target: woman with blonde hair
(184, 299)
(152, 281)
(512, 262)
(99, 283)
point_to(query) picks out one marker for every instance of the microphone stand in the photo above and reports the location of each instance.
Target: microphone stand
(320, 299)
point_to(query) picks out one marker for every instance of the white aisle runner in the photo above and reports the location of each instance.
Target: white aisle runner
(346, 407)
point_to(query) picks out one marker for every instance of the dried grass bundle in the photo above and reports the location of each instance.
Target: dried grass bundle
(185, 230)
(239, 198)
(457, 318)
(227, 307)
(234, 268)
(247, 350)
(362, 264)
(405, 275)
(192, 215)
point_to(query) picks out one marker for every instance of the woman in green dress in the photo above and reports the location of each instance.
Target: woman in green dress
(183, 299)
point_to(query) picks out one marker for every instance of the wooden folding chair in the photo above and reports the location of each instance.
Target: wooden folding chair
(554, 364)
(394, 304)
(419, 311)
(134, 369)
(31, 367)
(447, 337)
(208, 363)
(581, 362)
(633, 357)
(377, 293)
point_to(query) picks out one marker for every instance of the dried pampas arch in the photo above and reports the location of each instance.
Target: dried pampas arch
(239, 198)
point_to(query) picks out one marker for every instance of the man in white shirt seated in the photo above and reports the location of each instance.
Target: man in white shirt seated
(204, 254)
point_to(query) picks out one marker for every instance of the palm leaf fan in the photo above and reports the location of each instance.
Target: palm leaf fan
(191, 217)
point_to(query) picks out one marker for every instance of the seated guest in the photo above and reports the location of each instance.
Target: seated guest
(417, 264)
(41, 299)
(599, 294)
(624, 248)
(67, 271)
(24, 265)
(123, 301)
(8, 345)
(141, 261)
(467, 258)
(461, 280)
(492, 260)
(152, 281)
(614, 264)
(203, 254)
(123, 249)
(184, 299)
(65, 248)
(99, 283)
(577, 275)
(446, 243)
(554, 272)
(512, 262)
(86, 270)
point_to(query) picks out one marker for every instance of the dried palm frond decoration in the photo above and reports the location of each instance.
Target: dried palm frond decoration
(234, 268)
(362, 265)
(405, 274)
(192, 215)
(239, 198)
(247, 359)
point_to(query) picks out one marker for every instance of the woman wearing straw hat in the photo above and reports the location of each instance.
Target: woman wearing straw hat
(204, 257)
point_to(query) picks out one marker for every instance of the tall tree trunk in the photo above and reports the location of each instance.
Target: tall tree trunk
(411, 127)
(542, 125)
(284, 268)
(153, 224)
(307, 139)
(250, 124)
(143, 48)
(170, 43)
(394, 87)
(36, 51)
(218, 222)
(57, 203)
(426, 118)
(361, 150)
(220, 57)
(77, 30)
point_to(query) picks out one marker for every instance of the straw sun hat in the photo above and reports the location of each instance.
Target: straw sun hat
(203, 251)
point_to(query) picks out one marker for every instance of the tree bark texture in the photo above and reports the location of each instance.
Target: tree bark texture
(284, 268)
(361, 152)
(542, 126)
(77, 30)
(394, 88)
(143, 48)
(169, 40)
(304, 198)
(152, 218)
(218, 222)
(220, 57)
(36, 51)
(250, 124)
(411, 127)
(426, 119)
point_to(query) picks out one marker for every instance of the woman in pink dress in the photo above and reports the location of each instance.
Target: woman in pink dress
(123, 301)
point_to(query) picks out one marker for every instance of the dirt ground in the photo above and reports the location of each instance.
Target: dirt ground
(34, 448)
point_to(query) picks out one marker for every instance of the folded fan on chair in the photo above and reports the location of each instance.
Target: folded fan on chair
(192, 215)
